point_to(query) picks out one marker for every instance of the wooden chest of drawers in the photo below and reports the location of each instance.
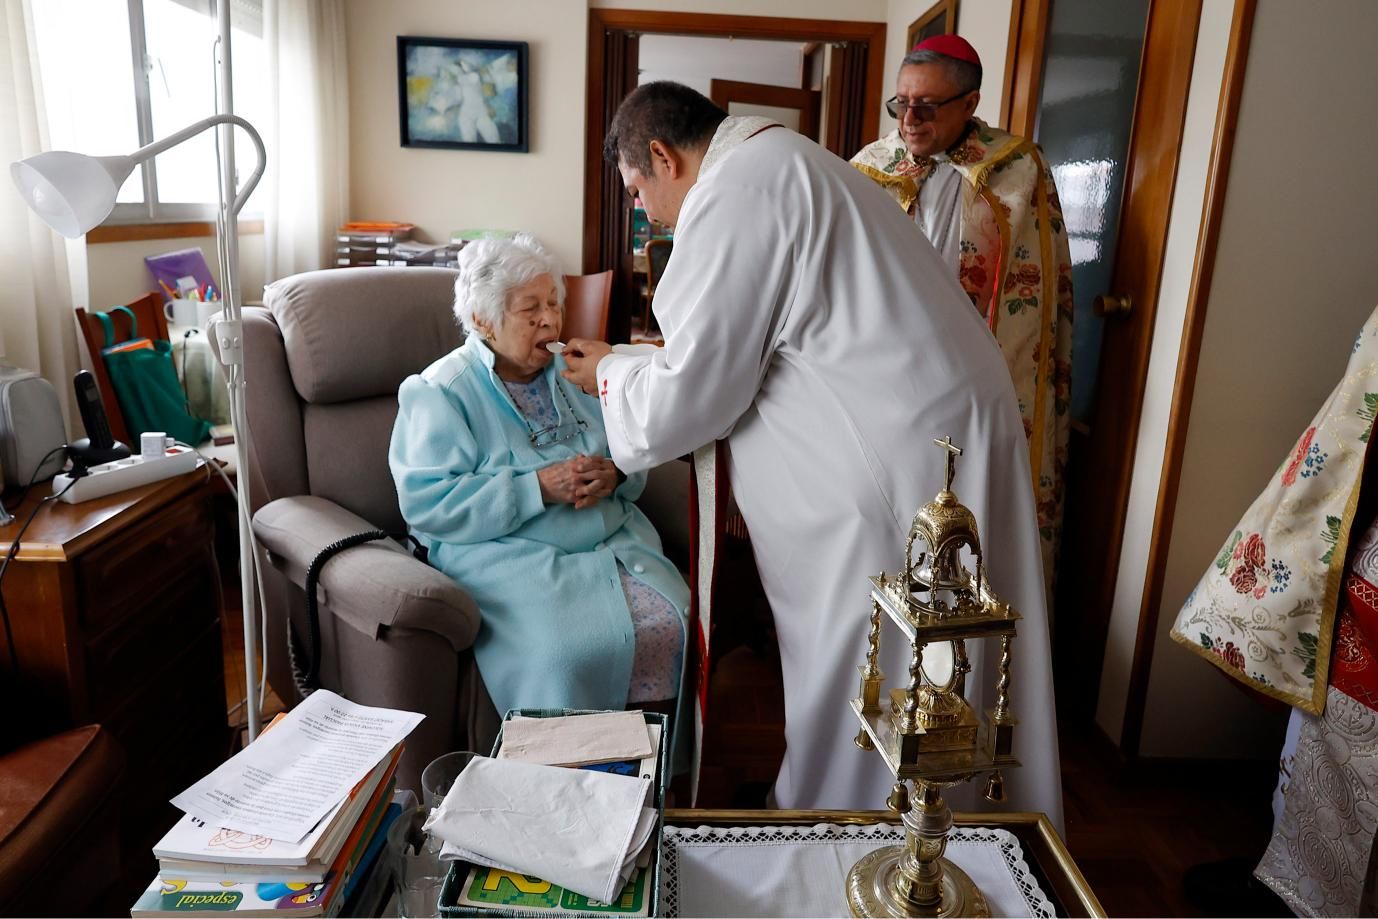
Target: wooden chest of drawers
(114, 606)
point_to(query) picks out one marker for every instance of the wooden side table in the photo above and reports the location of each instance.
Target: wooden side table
(114, 605)
(1044, 851)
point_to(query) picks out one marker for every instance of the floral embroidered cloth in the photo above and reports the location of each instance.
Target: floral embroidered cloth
(1269, 612)
(1016, 268)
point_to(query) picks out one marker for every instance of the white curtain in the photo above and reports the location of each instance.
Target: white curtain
(37, 328)
(307, 180)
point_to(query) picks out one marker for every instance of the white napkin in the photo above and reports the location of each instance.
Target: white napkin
(572, 827)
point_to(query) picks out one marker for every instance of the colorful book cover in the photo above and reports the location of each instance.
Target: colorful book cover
(493, 888)
(177, 897)
(370, 856)
(188, 898)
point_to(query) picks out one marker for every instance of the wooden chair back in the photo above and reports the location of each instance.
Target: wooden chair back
(152, 323)
(657, 257)
(586, 305)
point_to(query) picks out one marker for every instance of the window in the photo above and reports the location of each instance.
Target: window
(119, 74)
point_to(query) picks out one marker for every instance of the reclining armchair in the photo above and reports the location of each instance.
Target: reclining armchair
(323, 361)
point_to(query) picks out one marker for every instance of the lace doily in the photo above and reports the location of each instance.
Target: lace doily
(676, 839)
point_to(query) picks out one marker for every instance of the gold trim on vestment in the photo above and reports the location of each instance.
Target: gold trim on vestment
(907, 187)
(1045, 246)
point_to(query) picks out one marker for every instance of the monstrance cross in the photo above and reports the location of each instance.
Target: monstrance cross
(953, 452)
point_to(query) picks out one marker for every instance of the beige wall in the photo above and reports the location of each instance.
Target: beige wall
(116, 272)
(984, 23)
(1183, 236)
(445, 190)
(1292, 285)
(541, 191)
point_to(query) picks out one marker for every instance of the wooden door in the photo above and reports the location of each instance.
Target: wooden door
(738, 98)
(857, 63)
(1116, 165)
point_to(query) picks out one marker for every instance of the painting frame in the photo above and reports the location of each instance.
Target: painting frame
(463, 94)
(940, 19)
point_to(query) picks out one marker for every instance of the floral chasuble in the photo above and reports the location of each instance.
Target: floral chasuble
(1279, 610)
(1016, 269)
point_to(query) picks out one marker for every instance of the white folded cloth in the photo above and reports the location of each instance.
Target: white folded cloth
(580, 829)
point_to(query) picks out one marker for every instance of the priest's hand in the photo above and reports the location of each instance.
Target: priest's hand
(600, 480)
(581, 357)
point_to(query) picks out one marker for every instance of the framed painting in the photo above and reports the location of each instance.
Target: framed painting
(462, 94)
(941, 19)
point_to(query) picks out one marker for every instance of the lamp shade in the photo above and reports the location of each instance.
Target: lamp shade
(72, 192)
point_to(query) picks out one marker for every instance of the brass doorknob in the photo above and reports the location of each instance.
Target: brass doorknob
(1108, 305)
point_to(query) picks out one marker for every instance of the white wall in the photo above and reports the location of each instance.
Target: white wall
(1291, 287)
(696, 61)
(854, 10)
(984, 23)
(444, 190)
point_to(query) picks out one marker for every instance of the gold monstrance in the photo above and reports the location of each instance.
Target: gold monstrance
(928, 734)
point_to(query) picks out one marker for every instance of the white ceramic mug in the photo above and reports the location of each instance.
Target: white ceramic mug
(205, 309)
(181, 312)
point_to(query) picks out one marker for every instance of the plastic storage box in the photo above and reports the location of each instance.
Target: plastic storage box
(525, 902)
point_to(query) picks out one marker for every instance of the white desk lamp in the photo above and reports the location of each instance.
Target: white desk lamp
(73, 193)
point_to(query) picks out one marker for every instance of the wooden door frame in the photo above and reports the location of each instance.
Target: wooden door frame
(1184, 387)
(602, 22)
(1024, 65)
(807, 101)
(1150, 178)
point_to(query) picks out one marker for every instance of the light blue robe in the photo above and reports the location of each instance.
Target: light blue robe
(556, 632)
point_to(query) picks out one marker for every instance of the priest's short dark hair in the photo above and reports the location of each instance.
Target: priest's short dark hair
(666, 111)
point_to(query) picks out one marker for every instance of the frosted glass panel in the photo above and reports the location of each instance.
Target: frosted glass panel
(180, 35)
(1090, 77)
(88, 80)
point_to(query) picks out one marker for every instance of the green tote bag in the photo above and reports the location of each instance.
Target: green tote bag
(146, 385)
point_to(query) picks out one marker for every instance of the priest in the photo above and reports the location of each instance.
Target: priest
(809, 324)
(1290, 609)
(987, 202)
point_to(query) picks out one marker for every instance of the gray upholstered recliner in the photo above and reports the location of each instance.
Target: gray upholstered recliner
(323, 362)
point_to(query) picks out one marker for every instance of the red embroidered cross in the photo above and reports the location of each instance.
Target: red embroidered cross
(605, 392)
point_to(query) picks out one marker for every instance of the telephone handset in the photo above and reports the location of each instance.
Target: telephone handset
(100, 445)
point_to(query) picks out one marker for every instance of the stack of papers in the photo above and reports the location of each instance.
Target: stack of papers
(292, 822)
(584, 831)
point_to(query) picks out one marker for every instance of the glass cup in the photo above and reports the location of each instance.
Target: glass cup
(418, 870)
(437, 778)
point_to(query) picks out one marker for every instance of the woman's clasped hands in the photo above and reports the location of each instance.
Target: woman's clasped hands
(581, 481)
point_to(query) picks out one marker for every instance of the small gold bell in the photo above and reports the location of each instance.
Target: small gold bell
(863, 740)
(995, 788)
(899, 798)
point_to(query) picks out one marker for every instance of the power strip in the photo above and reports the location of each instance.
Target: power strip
(108, 478)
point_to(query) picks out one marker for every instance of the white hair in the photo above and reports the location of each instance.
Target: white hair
(489, 268)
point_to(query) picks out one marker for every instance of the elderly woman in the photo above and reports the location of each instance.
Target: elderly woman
(502, 472)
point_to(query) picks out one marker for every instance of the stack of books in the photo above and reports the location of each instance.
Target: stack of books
(411, 253)
(365, 243)
(336, 869)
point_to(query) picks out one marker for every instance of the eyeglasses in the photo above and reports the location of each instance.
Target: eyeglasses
(567, 430)
(922, 111)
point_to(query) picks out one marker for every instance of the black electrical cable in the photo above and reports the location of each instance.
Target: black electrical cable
(311, 681)
(9, 556)
(24, 492)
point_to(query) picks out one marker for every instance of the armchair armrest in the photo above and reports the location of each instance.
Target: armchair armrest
(372, 586)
